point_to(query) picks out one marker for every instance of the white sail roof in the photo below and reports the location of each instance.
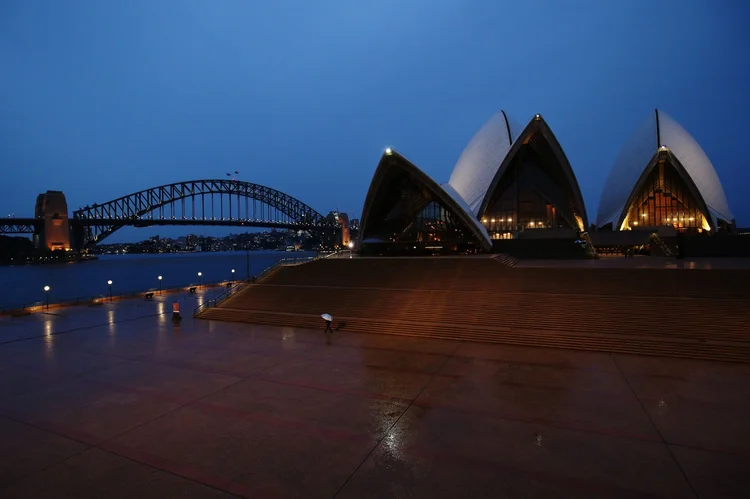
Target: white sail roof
(445, 194)
(469, 213)
(660, 130)
(479, 161)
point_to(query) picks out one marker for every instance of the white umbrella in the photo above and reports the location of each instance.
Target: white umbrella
(327, 317)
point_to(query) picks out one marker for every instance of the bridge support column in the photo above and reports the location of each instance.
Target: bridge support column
(55, 232)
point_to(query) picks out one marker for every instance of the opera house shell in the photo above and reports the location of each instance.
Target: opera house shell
(662, 178)
(507, 181)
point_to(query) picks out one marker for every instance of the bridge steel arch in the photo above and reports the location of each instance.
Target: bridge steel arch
(180, 200)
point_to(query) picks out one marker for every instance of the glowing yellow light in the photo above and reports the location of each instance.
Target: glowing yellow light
(46, 288)
(484, 220)
(493, 220)
(502, 220)
(635, 223)
(388, 150)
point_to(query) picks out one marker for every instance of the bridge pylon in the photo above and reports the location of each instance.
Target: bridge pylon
(53, 232)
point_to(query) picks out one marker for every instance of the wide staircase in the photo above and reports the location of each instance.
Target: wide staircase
(701, 314)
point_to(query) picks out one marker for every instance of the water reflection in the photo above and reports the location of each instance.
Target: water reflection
(49, 340)
(392, 443)
(161, 309)
(287, 334)
(111, 320)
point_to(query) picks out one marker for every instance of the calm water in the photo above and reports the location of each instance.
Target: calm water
(129, 273)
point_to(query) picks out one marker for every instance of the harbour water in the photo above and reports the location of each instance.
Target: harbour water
(24, 284)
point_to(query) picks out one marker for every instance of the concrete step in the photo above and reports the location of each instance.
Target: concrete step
(727, 351)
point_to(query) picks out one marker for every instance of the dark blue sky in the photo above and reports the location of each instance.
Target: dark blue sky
(101, 98)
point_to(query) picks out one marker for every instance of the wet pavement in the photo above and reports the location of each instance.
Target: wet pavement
(115, 401)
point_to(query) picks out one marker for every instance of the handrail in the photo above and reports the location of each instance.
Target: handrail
(661, 243)
(590, 248)
(284, 262)
(215, 301)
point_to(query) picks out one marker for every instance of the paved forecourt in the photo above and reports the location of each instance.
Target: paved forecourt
(116, 401)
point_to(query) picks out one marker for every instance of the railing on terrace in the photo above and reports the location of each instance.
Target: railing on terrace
(40, 306)
(284, 262)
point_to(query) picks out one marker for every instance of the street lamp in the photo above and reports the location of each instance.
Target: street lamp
(232, 274)
(200, 279)
(46, 296)
(110, 289)
(159, 284)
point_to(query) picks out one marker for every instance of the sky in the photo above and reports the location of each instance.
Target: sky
(100, 99)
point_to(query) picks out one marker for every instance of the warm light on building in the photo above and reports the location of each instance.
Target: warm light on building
(674, 187)
(53, 208)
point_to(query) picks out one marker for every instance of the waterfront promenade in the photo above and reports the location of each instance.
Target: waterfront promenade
(115, 401)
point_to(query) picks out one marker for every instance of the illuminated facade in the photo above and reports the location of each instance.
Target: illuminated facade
(513, 183)
(407, 212)
(662, 178)
(507, 180)
(53, 209)
(343, 221)
(533, 187)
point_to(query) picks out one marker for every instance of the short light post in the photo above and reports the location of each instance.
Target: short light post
(109, 283)
(200, 279)
(159, 284)
(46, 296)
(232, 276)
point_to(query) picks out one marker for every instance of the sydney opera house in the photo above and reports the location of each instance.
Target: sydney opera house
(514, 185)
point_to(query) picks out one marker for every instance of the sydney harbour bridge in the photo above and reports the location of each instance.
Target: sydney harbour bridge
(212, 202)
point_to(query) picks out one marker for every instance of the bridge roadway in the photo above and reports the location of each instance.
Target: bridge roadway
(18, 225)
(29, 225)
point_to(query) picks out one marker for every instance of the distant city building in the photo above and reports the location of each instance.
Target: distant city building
(343, 221)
